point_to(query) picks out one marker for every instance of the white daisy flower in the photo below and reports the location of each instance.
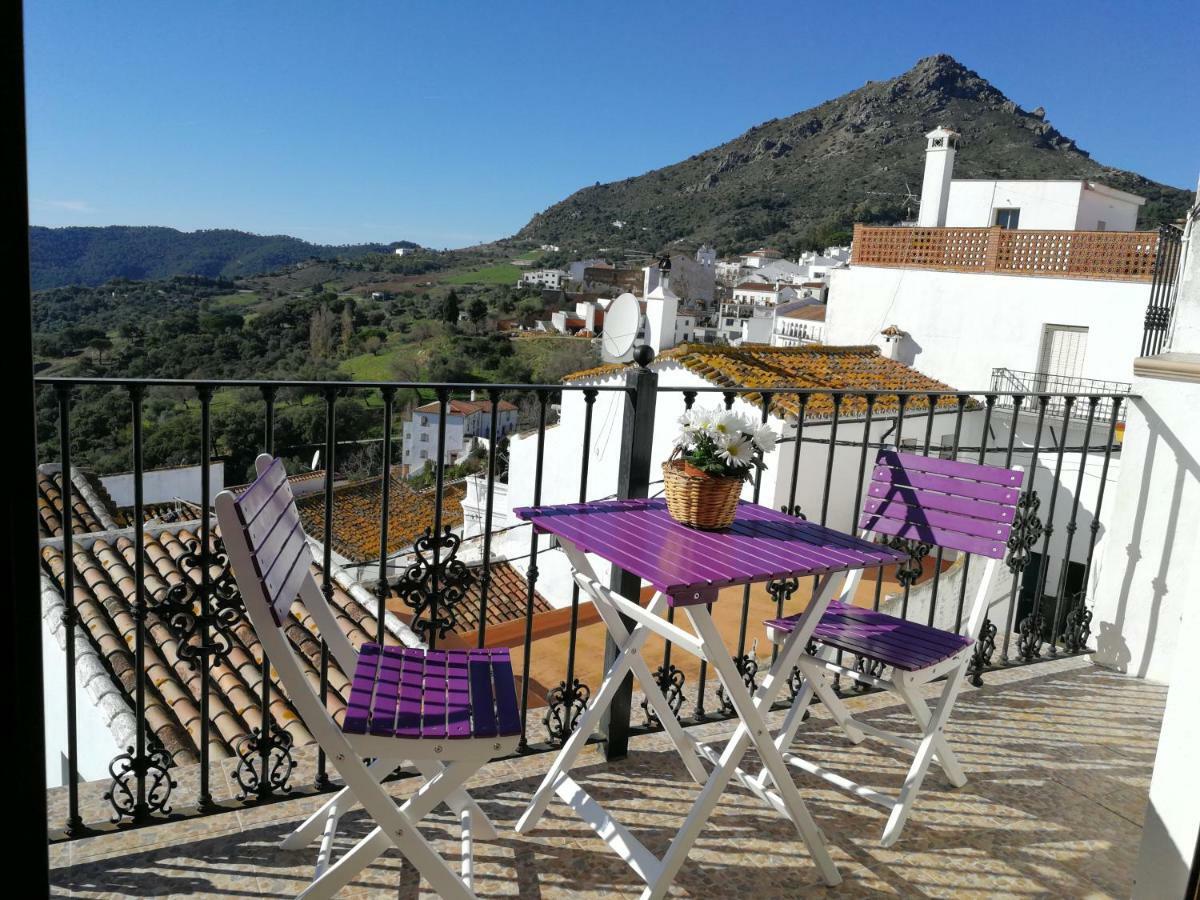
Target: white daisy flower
(737, 452)
(728, 425)
(765, 438)
(684, 439)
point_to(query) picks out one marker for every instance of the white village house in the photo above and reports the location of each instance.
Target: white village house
(468, 422)
(1050, 271)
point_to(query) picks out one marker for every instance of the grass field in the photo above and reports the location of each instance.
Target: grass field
(501, 273)
(235, 302)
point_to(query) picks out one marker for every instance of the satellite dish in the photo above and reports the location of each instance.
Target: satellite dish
(622, 322)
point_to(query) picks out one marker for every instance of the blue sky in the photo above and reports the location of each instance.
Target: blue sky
(453, 122)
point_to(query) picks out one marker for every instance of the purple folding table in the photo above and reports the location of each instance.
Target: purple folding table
(687, 568)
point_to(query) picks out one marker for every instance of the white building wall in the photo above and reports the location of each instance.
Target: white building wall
(164, 485)
(1099, 206)
(962, 325)
(1043, 204)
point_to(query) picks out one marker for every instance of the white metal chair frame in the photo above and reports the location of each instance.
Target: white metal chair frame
(928, 744)
(443, 765)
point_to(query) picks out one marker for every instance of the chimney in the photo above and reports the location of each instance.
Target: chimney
(472, 395)
(662, 307)
(941, 145)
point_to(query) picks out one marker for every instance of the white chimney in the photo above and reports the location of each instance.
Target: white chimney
(662, 307)
(942, 143)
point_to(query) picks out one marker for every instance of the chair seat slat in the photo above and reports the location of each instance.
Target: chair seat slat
(387, 690)
(362, 691)
(458, 698)
(908, 646)
(483, 702)
(508, 716)
(433, 696)
(412, 697)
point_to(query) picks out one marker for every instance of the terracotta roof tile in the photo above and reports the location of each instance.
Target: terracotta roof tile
(85, 516)
(816, 367)
(104, 596)
(357, 509)
(507, 598)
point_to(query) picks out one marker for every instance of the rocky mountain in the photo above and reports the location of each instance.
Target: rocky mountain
(90, 256)
(802, 181)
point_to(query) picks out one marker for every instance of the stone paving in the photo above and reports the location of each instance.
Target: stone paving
(1058, 754)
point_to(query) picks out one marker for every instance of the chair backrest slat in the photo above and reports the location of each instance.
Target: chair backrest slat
(945, 503)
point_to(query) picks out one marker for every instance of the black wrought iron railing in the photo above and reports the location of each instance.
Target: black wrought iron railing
(1164, 285)
(189, 624)
(1010, 382)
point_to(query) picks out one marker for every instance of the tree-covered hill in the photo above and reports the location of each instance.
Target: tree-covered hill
(90, 256)
(802, 181)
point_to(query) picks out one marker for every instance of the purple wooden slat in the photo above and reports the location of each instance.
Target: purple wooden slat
(508, 717)
(251, 500)
(433, 696)
(640, 537)
(408, 716)
(917, 515)
(358, 706)
(458, 695)
(280, 508)
(957, 487)
(387, 683)
(909, 646)
(483, 703)
(963, 506)
(938, 537)
(914, 462)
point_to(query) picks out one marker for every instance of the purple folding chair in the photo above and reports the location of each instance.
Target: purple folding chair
(447, 712)
(957, 506)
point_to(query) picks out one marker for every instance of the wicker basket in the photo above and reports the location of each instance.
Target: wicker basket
(699, 500)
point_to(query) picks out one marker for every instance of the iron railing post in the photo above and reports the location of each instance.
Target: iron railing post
(633, 480)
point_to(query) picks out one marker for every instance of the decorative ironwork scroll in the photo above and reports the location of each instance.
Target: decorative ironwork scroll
(564, 705)
(747, 666)
(866, 666)
(189, 614)
(985, 647)
(126, 769)
(264, 762)
(910, 570)
(1026, 531)
(1077, 626)
(416, 585)
(670, 681)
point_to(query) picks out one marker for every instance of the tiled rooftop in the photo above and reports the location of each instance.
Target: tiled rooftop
(104, 596)
(506, 599)
(1058, 755)
(357, 511)
(92, 509)
(818, 366)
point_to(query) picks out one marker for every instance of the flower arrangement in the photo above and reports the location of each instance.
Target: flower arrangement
(722, 444)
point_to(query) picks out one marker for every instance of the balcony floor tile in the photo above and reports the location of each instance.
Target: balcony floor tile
(1059, 755)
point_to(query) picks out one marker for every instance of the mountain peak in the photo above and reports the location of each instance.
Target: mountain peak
(804, 179)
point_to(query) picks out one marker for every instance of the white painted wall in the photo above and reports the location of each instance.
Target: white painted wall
(962, 325)
(1052, 205)
(162, 485)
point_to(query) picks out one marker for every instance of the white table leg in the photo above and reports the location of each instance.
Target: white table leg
(753, 730)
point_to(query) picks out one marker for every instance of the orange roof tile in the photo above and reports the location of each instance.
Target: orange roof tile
(814, 367)
(356, 515)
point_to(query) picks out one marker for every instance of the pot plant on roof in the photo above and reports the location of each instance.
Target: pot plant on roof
(715, 452)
